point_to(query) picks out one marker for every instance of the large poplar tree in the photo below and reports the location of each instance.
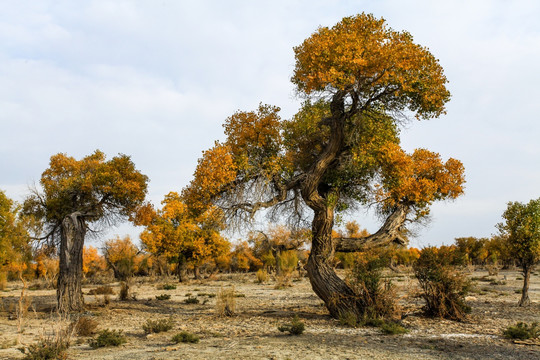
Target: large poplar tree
(360, 80)
(78, 196)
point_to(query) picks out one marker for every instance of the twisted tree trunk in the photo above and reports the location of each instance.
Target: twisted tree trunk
(338, 297)
(525, 301)
(69, 292)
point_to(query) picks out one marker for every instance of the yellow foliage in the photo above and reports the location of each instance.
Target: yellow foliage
(215, 169)
(175, 231)
(418, 179)
(361, 53)
(92, 262)
(243, 258)
(101, 187)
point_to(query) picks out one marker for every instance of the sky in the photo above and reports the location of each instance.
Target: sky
(156, 80)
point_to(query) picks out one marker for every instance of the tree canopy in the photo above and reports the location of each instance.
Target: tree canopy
(97, 189)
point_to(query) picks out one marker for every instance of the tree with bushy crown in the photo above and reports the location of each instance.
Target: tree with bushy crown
(77, 197)
(184, 235)
(360, 79)
(522, 231)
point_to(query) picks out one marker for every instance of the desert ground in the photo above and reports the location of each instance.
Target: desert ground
(260, 308)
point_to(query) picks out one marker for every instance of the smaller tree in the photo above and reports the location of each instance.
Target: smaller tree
(47, 264)
(275, 242)
(183, 235)
(522, 229)
(14, 238)
(77, 197)
(120, 254)
(243, 259)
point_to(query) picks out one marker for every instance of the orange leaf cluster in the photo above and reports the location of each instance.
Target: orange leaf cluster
(174, 231)
(92, 185)
(93, 262)
(418, 179)
(215, 169)
(363, 54)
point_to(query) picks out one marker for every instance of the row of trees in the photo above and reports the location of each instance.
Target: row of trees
(266, 250)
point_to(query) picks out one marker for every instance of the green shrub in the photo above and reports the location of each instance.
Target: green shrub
(48, 349)
(169, 287)
(288, 261)
(191, 300)
(348, 319)
(163, 297)
(393, 328)
(373, 322)
(522, 331)
(296, 327)
(443, 287)
(108, 338)
(375, 295)
(157, 326)
(185, 337)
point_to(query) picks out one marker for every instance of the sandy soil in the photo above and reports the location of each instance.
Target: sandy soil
(252, 333)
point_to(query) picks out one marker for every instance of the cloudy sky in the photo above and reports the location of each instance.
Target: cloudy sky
(155, 80)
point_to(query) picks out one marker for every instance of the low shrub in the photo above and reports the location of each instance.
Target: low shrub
(373, 322)
(48, 349)
(262, 276)
(348, 319)
(226, 302)
(283, 281)
(157, 326)
(375, 295)
(522, 331)
(393, 328)
(169, 287)
(85, 326)
(296, 327)
(102, 290)
(443, 286)
(124, 291)
(185, 337)
(163, 297)
(191, 300)
(108, 338)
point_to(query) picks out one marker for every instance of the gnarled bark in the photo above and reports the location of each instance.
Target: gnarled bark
(69, 292)
(338, 297)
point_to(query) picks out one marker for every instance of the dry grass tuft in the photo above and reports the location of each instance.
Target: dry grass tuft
(226, 302)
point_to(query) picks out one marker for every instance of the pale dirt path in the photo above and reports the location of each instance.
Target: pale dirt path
(253, 334)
